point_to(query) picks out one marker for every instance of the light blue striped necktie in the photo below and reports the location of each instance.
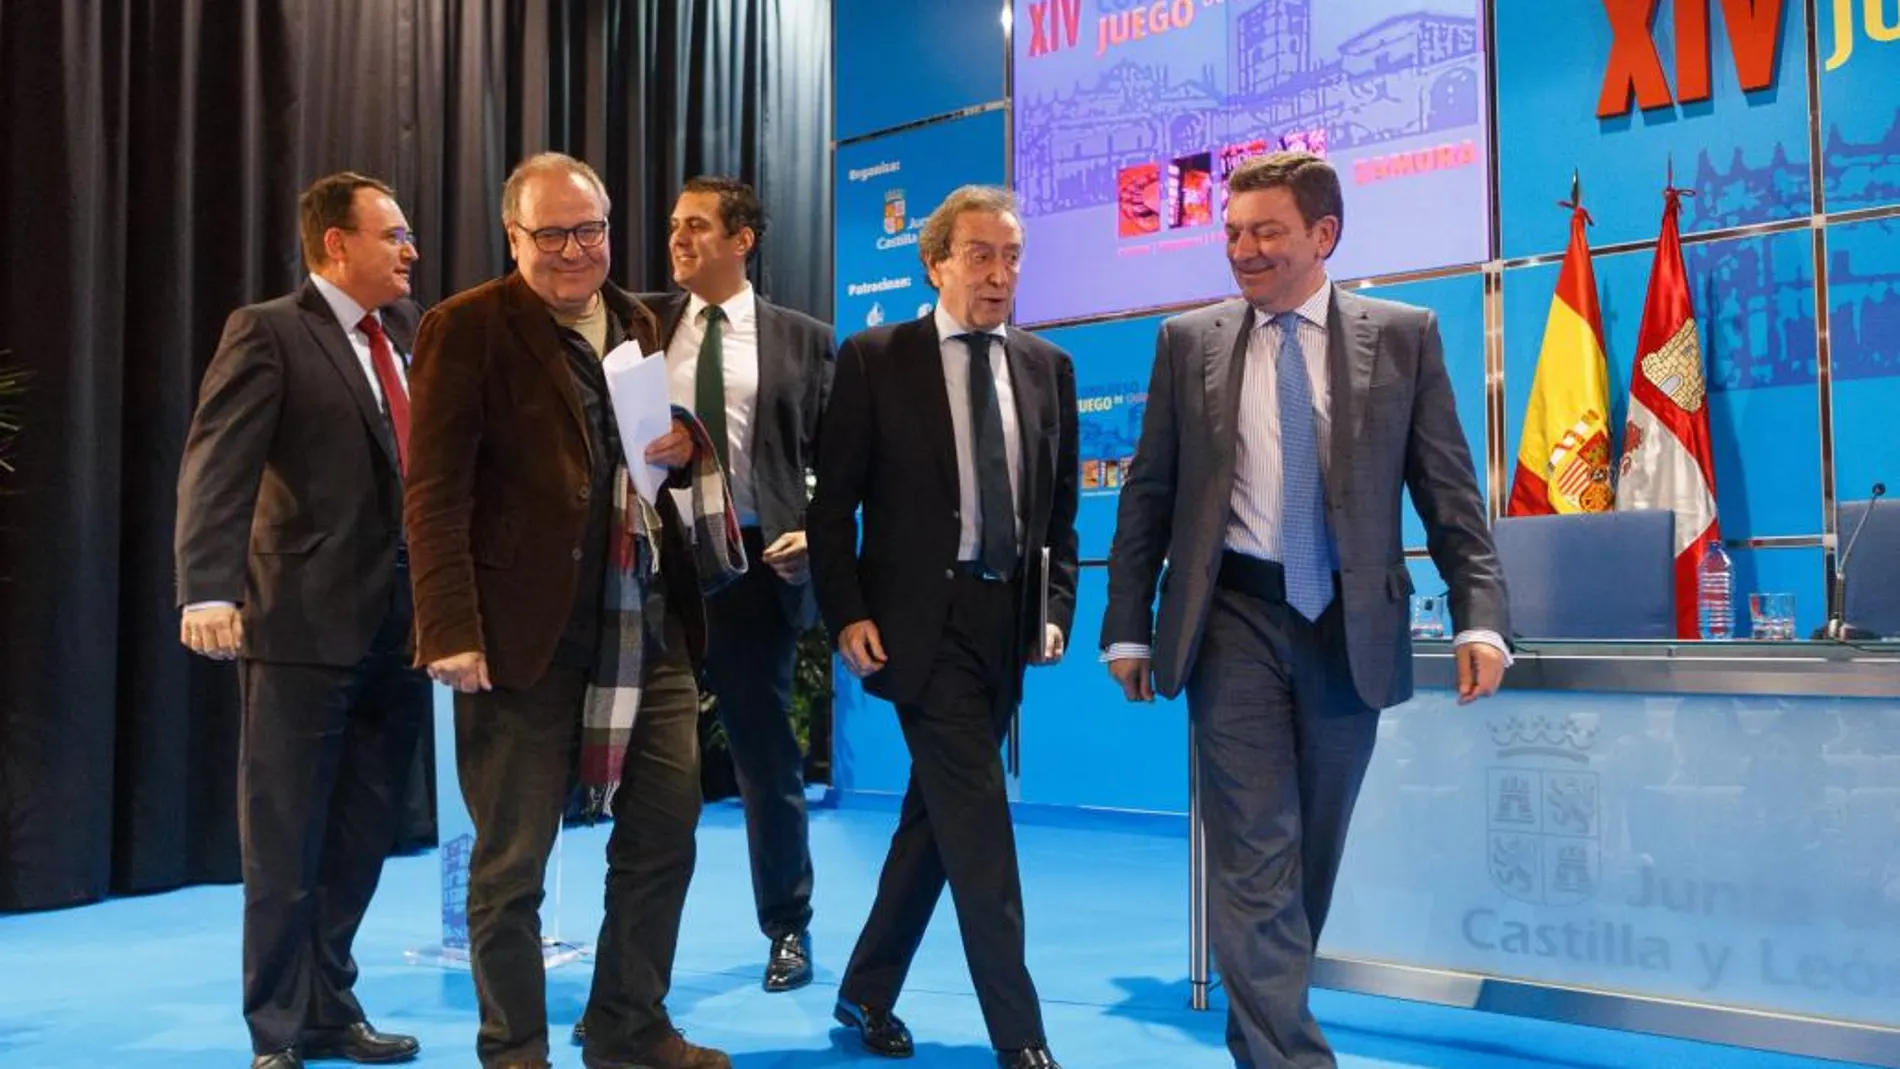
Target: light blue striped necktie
(1305, 548)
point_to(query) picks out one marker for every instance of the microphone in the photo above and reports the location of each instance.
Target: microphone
(1837, 628)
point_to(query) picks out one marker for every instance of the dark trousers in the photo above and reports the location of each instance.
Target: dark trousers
(516, 756)
(1282, 740)
(325, 754)
(751, 644)
(955, 824)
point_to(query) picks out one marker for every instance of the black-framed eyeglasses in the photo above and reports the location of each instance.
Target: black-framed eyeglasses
(395, 235)
(551, 239)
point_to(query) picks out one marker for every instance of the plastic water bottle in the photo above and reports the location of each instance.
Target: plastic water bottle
(1715, 593)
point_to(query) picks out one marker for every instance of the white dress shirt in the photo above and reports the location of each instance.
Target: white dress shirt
(956, 378)
(349, 314)
(739, 360)
(1253, 523)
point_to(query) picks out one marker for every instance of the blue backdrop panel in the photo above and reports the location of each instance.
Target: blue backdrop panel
(1745, 154)
(1459, 303)
(1113, 363)
(1125, 131)
(1083, 744)
(1860, 124)
(885, 188)
(1425, 578)
(1863, 284)
(898, 62)
(867, 746)
(1754, 302)
(1794, 571)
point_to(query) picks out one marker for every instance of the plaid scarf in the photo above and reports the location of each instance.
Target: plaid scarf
(633, 611)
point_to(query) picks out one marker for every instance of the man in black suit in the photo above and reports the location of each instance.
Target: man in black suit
(290, 558)
(958, 439)
(757, 376)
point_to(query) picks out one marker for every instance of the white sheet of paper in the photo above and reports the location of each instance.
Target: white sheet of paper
(637, 383)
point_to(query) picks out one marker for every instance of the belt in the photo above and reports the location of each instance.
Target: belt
(975, 569)
(1263, 579)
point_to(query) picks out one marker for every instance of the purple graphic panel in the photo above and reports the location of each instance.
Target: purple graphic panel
(1128, 117)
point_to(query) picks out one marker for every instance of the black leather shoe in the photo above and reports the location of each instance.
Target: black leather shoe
(359, 1043)
(789, 967)
(283, 1059)
(1027, 1058)
(880, 1030)
(579, 1035)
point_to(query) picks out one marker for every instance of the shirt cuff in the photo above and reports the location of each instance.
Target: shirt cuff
(1122, 651)
(1489, 638)
(196, 605)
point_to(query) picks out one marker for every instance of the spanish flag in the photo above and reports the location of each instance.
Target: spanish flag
(1563, 461)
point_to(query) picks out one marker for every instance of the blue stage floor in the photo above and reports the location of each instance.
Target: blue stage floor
(153, 982)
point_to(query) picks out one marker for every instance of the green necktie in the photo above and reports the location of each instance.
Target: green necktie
(709, 385)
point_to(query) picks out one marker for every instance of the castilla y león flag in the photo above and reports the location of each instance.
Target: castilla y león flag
(1563, 460)
(1667, 463)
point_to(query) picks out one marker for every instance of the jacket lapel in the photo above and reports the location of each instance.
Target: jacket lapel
(1352, 347)
(1026, 377)
(774, 349)
(529, 319)
(920, 348)
(672, 314)
(399, 322)
(320, 320)
(1223, 353)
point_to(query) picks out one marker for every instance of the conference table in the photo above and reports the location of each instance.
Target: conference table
(1685, 838)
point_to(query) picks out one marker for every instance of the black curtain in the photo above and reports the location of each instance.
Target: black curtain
(150, 156)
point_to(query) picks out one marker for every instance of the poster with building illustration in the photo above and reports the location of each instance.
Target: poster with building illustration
(1129, 117)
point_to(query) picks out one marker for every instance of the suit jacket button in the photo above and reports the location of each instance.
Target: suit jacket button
(586, 492)
(577, 554)
(949, 573)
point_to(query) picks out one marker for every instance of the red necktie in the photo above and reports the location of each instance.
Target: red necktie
(394, 394)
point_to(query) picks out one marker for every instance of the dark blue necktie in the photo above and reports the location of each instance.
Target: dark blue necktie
(1305, 549)
(996, 532)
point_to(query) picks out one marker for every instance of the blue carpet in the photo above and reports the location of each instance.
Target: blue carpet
(152, 982)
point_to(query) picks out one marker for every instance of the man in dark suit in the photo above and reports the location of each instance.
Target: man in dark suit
(757, 376)
(957, 437)
(290, 558)
(511, 505)
(1281, 427)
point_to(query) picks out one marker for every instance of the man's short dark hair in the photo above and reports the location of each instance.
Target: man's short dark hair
(330, 201)
(739, 206)
(1313, 182)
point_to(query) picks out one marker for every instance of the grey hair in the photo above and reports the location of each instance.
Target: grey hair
(547, 163)
(933, 241)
